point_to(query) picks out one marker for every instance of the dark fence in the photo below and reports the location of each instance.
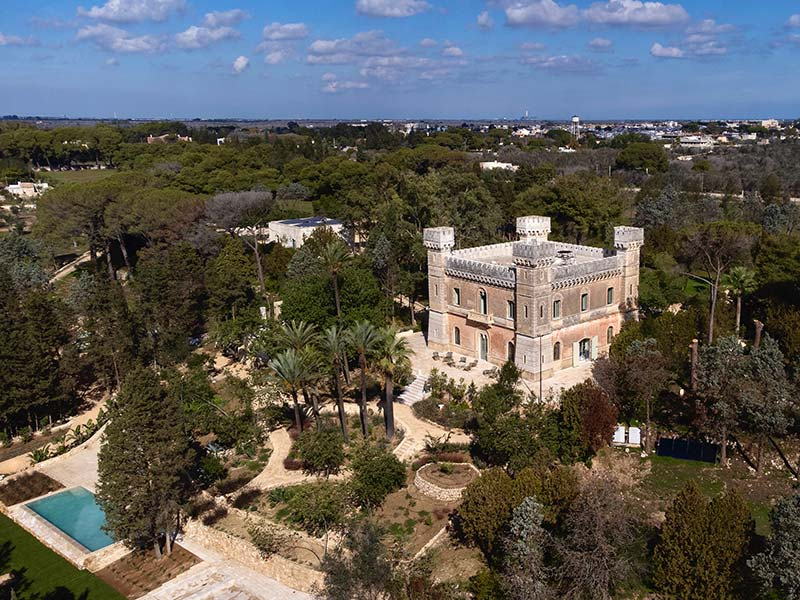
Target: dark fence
(688, 449)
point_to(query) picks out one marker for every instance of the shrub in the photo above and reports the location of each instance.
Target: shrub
(292, 464)
(5, 439)
(446, 468)
(451, 414)
(211, 470)
(40, 454)
(26, 434)
(322, 452)
(317, 507)
(267, 539)
(376, 474)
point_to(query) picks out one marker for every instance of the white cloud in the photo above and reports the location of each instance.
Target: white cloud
(601, 45)
(660, 51)
(118, 40)
(285, 31)
(201, 37)
(532, 46)
(561, 63)
(333, 85)
(15, 40)
(427, 43)
(240, 64)
(132, 11)
(452, 51)
(541, 13)
(349, 50)
(710, 27)
(225, 18)
(485, 21)
(636, 13)
(391, 8)
(112, 62)
(794, 21)
(276, 57)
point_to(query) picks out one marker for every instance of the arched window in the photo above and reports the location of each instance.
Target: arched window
(457, 336)
(557, 351)
(483, 346)
(609, 335)
(510, 353)
(483, 304)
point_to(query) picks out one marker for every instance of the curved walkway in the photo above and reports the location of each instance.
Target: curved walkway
(275, 474)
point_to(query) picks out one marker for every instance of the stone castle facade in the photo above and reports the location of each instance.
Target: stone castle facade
(545, 305)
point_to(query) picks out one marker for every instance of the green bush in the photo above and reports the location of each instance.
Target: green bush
(322, 452)
(211, 470)
(376, 474)
(451, 414)
(26, 434)
(317, 507)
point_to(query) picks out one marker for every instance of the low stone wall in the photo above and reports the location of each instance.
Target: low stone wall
(434, 491)
(281, 569)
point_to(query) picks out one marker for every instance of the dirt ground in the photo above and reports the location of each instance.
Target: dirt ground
(138, 573)
(27, 486)
(460, 475)
(413, 518)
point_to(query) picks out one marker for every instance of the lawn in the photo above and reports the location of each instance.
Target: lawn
(41, 573)
(83, 176)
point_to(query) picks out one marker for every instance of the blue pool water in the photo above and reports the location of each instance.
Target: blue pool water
(76, 513)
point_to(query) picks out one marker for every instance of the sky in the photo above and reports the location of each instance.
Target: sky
(401, 59)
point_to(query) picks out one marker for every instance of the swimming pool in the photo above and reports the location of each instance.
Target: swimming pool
(76, 513)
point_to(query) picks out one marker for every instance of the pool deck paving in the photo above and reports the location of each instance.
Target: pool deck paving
(221, 578)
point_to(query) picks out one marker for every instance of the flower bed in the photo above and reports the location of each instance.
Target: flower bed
(445, 481)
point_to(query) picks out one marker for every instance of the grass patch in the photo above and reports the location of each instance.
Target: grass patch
(668, 476)
(84, 176)
(41, 573)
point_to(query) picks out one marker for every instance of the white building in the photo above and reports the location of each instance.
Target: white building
(491, 165)
(292, 233)
(27, 189)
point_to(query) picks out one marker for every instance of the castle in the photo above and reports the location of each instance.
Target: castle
(544, 305)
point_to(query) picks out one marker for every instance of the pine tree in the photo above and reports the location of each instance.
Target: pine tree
(143, 463)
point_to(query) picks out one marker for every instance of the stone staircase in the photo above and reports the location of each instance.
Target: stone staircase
(407, 449)
(414, 392)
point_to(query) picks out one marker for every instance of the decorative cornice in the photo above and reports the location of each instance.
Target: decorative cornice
(487, 273)
(585, 279)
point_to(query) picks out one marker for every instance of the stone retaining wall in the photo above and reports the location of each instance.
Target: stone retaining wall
(434, 491)
(281, 569)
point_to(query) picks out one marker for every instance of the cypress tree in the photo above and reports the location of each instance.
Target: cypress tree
(702, 546)
(143, 463)
(778, 567)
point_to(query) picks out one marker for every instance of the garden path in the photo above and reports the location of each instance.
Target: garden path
(275, 474)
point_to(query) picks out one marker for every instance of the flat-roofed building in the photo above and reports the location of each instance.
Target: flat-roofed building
(293, 233)
(544, 305)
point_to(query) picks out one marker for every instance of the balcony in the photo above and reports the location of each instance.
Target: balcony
(476, 317)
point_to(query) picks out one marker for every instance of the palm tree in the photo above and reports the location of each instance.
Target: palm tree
(296, 335)
(392, 353)
(334, 344)
(312, 361)
(334, 256)
(741, 281)
(363, 338)
(292, 372)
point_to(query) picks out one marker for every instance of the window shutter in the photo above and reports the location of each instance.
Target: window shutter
(594, 347)
(575, 353)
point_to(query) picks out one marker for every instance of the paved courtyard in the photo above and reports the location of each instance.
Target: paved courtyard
(422, 363)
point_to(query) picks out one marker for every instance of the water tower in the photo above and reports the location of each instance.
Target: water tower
(575, 127)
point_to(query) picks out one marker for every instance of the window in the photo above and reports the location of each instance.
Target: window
(483, 346)
(610, 296)
(457, 296)
(457, 336)
(585, 349)
(609, 335)
(556, 309)
(584, 302)
(512, 309)
(541, 311)
(436, 289)
(483, 305)
(557, 351)
(510, 351)
(526, 311)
